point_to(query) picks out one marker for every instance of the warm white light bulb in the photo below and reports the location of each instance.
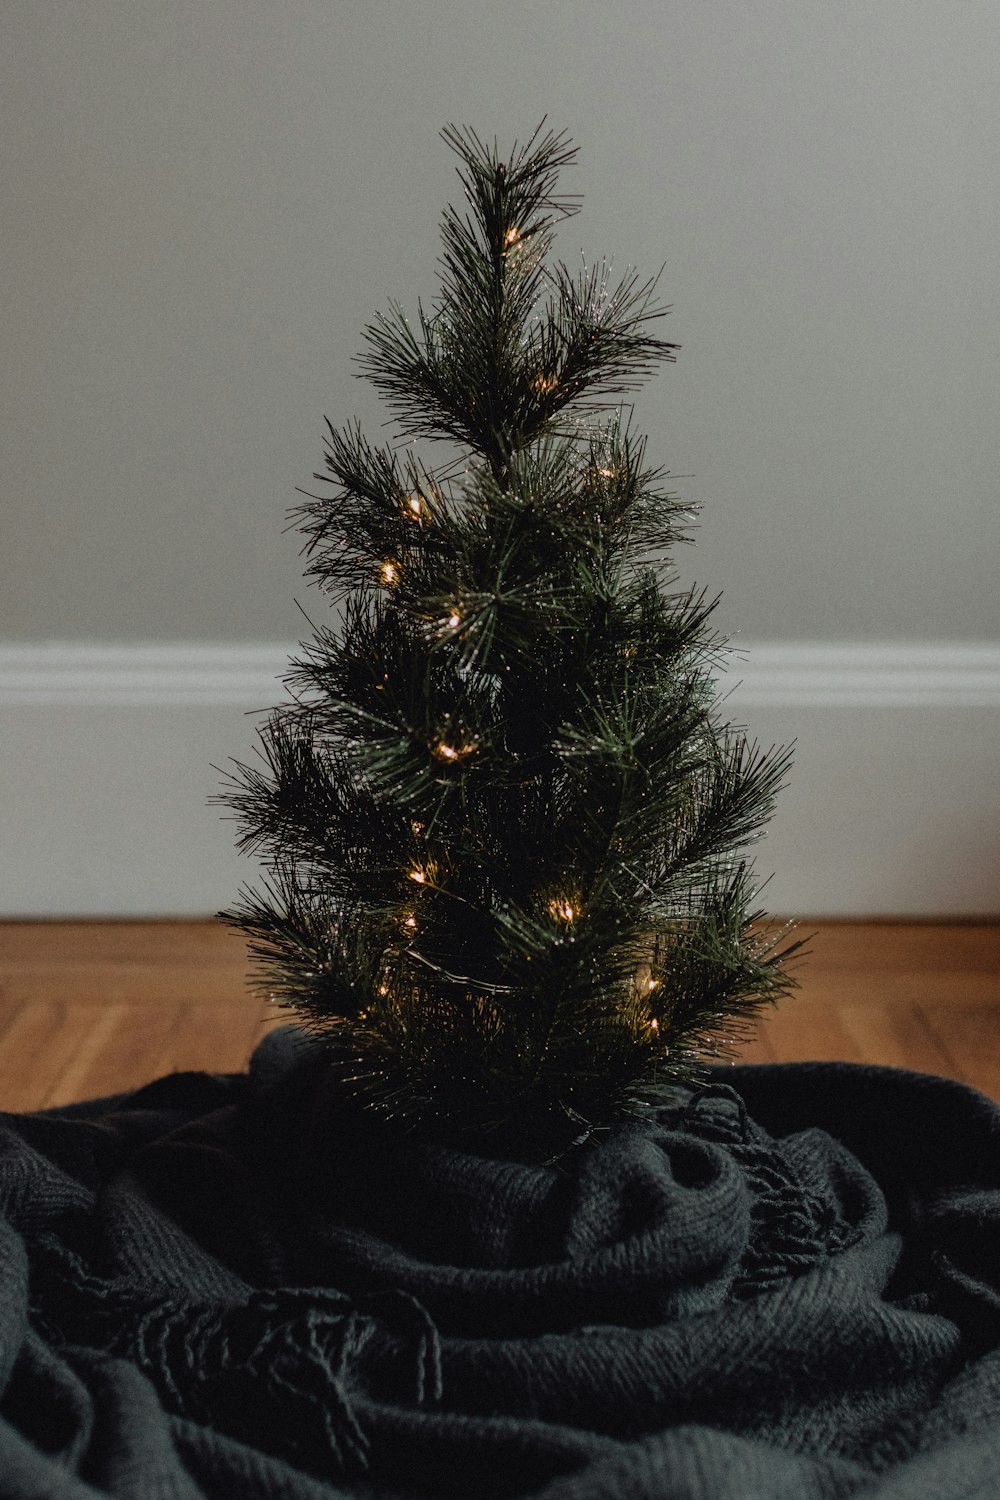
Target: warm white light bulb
(419, 876)
(443, 751)
(389, 572)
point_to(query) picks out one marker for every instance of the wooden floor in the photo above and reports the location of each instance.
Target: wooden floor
(94, 1008)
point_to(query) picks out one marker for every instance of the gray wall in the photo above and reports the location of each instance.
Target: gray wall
(205, 199)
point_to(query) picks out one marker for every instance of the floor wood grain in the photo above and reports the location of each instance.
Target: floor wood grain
(93, 1008)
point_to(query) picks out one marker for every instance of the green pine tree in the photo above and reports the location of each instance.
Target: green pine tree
(502, 821)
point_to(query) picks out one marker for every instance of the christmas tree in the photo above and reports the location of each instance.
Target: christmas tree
(503, 826)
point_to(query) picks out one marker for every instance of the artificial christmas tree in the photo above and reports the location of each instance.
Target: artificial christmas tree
(503, 824)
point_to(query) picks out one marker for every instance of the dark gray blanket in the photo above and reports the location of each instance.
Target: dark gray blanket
(787, 1284)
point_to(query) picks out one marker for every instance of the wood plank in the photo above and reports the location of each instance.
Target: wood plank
(141, 982)
(894, 1036)
(89, 1054)
(799, 1032)
(942, 988)
(42, 1042)
(211, 1038)
(897, 1036)
(91, 1008)
(123, 942)
(148, 982)
(99, 963)
(879, 947)
(115, 1059)
(971, 1036)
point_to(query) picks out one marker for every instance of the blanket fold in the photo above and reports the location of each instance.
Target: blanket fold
(784, 1283)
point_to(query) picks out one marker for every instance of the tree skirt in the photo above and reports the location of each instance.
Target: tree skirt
(785, 1284)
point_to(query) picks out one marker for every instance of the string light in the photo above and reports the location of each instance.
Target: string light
(654, 1024)
(512, 236)
(606, 473)
(390, 572)
(411, 921)
(544, 383)
(563, 909)
(454, 620)
(450, 753)
(420, 876)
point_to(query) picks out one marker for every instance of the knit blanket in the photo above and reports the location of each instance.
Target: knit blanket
(783, 1284)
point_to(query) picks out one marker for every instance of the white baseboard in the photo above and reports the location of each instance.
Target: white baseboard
(161, 674)
(868, 674)
(106, 755)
